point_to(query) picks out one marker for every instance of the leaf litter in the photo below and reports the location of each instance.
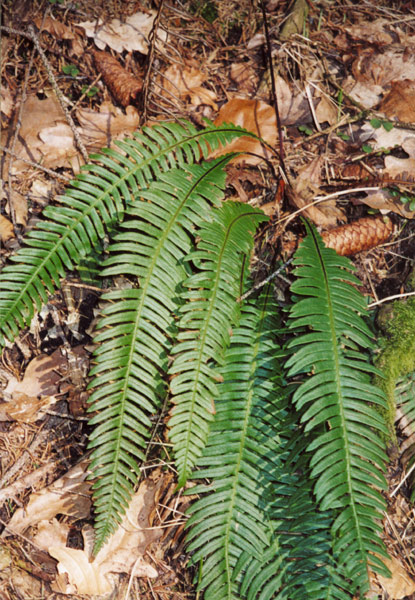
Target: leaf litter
(332, 81)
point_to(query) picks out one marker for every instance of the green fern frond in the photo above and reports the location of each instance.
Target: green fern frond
(242, 458)
(348, 456)
(138, 327)
(93, 203)
(205, 323)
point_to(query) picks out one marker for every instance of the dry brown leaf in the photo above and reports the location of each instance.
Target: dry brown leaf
(6, 229)
(59, 30)
(377, 32)
(69, 495)
(123, 86)
(130, 35)
(44, 135)
(27, 400)
(245, 77)
(186, 82)
(123, 553)
(382, 200)
(100, 129)
(6, 101)
(374, 71)
(305, 188)
(400, 101)
(400, 584)
(256, 116)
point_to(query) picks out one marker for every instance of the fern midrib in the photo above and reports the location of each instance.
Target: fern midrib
(90, 208)
(340, 397)
(206, 327)
(137, 326)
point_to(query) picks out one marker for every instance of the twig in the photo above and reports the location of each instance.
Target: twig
(265, 281)
(36, 165)
(13, 144)
(273, 89)
(152, 44)
(389, 298)
(59, 94)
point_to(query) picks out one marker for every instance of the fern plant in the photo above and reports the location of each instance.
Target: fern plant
(286, 435)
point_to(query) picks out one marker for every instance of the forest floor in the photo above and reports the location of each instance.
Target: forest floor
(344, 81)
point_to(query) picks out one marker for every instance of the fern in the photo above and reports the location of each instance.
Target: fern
(276, 475)
(348, 457)
(92, 205)
(210, 311)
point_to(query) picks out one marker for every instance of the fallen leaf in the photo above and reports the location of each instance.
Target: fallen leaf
(186, 82)
(42, 118)
(69, 495)
(123, 86)
(101, 129)
(245, 77)
(59, 30)
(42, 384)
(6, 101)
(6, 229)
(123, 553)
(130, 35)
(377, 32)
(255, 116)
(400, 584)
(400, 101)
(305, 187)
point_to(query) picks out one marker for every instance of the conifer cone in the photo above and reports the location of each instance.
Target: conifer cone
(123, 86)
(363, 234)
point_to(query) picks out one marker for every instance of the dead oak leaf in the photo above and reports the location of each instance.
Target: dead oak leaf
(186, 82)
(131, 35)
(255, 116)
(123, 553)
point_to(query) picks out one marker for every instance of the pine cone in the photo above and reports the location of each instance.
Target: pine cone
(361, 235)
(123, 86)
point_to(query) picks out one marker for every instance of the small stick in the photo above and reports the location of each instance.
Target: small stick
(265, 281)
(37, 165)
(58, 93)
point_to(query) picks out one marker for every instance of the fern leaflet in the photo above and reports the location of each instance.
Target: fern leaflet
(210, 311)
(348, 458)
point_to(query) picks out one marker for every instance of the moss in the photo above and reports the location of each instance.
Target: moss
(397, 356)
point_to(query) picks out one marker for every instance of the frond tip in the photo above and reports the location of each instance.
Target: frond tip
(336, 403)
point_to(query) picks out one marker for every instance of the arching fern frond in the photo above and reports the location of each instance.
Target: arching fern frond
(348, 456)
(205, 323)
(137, 327)
(242, 458)
(89, 209)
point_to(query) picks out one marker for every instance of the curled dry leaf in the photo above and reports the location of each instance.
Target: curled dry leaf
(186, 82)
(123, 553)
(305, 188)
(6, 101)
(100, 129)
(69, 495)
(256, 116)
(400, 585)
(45, 137)
(6, 229)
(59, 30)
(400, 101)
(130, 35)
(123, 86)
